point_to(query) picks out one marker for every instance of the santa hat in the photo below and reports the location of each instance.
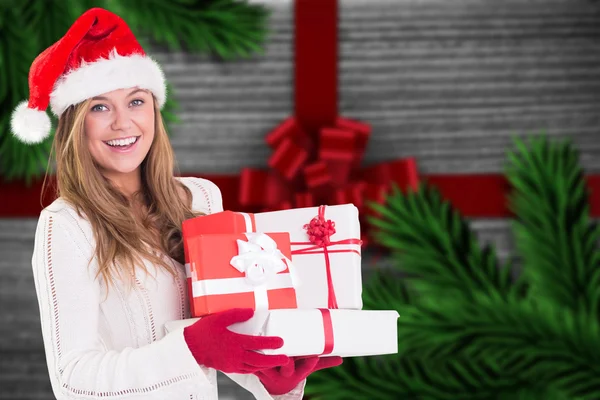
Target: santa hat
(98, 54)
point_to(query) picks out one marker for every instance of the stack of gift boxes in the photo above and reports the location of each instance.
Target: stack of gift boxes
(299, 269)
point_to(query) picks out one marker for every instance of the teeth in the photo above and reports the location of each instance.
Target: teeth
(122, 142)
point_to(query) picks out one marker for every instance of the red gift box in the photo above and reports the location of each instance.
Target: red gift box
(200, 226)
(250, 270)
(220, 222)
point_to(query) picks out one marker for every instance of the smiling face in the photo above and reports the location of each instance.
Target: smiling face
(119, 128)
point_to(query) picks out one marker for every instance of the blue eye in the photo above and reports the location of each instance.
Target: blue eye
(95, 108)
(137, 102)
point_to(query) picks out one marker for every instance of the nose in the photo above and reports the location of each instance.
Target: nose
(121, 121)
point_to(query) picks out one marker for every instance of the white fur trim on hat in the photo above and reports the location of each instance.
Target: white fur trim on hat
(106, 75)
(29, 125)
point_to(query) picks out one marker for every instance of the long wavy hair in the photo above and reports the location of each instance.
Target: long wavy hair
(122, 240)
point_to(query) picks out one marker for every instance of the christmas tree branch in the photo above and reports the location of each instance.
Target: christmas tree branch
(467, 332)
(17, 49)
(227, 28)
(51, 19)
(537, 342)
(415, 373)
(414, 377)
(432, 241)
(385, 291)
(553, 230)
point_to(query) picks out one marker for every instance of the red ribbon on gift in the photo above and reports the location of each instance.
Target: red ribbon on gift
(319, 231)
(317, 153)
(328, 331)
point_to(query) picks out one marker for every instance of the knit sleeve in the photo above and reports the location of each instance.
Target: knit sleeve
(206, 195)
(79, 363)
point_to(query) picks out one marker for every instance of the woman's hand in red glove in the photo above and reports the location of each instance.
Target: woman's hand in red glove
(281, 380)
(215, 346)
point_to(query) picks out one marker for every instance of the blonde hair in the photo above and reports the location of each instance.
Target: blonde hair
(122, 241)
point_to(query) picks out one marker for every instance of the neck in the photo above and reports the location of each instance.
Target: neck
(129, 183)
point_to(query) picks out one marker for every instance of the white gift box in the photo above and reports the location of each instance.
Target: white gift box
(345, 258)
(354, 332)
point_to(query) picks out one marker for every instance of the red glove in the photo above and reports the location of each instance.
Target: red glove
(281, 380)
(215, 346)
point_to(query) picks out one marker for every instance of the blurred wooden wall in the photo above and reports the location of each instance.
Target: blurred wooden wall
(445, 81)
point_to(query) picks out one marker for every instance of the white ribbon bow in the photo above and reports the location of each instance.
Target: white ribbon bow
(260, 259)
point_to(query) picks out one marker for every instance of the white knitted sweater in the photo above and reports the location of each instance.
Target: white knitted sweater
(116, 347)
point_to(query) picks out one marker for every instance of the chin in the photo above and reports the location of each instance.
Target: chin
(123, 169)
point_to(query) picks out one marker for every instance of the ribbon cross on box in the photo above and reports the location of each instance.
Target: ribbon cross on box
(250, 269)
(260, 261)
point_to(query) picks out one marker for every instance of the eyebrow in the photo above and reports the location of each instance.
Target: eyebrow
(129, 95)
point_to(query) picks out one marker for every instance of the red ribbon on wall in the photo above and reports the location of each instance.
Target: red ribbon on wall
(317, 153)
(473, 195)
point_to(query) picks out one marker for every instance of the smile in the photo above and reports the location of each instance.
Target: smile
(124, 145)
(124, 142)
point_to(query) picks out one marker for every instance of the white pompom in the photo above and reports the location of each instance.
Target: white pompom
(29, 125)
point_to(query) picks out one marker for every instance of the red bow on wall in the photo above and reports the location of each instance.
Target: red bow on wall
(317, 154)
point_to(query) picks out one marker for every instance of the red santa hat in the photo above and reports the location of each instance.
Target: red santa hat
(98, 54)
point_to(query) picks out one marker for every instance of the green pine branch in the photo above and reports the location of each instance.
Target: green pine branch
(553, 230)
(227, 28)
(18, 48)
(385, 290)
(417, 372)
(416, 378)
(433, 242)
(465, 330)
(410, 378)
(50, 19)
(537, 342)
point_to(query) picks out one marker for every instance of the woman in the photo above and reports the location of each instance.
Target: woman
(108, 254)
